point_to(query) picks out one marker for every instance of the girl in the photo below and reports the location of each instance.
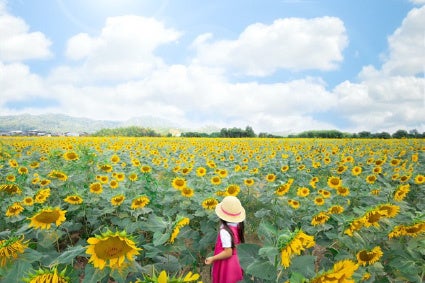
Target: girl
(225, 262)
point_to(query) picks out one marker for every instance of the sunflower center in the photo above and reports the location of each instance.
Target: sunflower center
(413, 229)
(366, 256)
(111, 248)
(48, 217)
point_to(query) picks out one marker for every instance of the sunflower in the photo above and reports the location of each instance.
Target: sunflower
(114, 184)
(176, 229)
(294, 203)
(42, 195)
(303, 192)
(320, 218)
(103, 179)
(404, 178)
(342, 271)
(45, 217)
(74, 199)
(23, 170)
(357, 170)
(372, 218)
(249, 182)
(28, 201)
(354, 226)
(13, 163)
(117, 200)
(216, 180)
(139, 202)
(54, 174)
(133, 177)
(270, 177)
(11, 189)
(319, 201)
(187, 192)
(48, 275)
(70, 156)
(336, 209)
(313, 182)
(375, 192)
(34, 165)
(343, 191)
(209, 203)
(45, 182)
(201, 171)
(401, 192)
(111, 249)
(186, 170)
(291, 244)
(11, 248)
(115, 158)
(284, 168)
(419, 179)
(96, 188)
(178, 183)
(388, 210)
(324, 193)
(365, 257)
(120, 177)
(14, 209)
(334, 182)
(408, 230)
(341, 169)
(145, 169)
(232, 190)
(105, 168)
(11, 178)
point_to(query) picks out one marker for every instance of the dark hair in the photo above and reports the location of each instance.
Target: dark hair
(241, 231)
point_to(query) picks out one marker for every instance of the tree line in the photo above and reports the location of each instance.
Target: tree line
(248, 132)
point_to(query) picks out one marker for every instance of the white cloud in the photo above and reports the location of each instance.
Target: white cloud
(17, 43)
(418, 2)
(291, 43)
(407, 46)
(124, 50)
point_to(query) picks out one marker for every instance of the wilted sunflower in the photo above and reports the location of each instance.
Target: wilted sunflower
(233, 190)
(291, 244)
(178, 183)
(47, 275)
(365, 257)
(70, 156)
(96, 188)
(14, 209)
(11, 248)
(74, 199)
(320, 218)
(117, 200)
(187, 192)
(111, 249)
(209, 203)
(139, 202)
(334, 182)
(45, 217)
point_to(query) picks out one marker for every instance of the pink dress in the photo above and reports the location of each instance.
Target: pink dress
(227, 270)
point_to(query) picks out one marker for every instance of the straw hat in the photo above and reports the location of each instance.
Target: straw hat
(230, 210)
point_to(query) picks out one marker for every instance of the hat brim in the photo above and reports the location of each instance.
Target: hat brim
(230, 218)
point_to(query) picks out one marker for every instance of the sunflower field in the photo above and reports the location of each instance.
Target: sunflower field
(86, 209)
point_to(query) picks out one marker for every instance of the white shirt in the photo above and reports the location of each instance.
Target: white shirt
(226, 239)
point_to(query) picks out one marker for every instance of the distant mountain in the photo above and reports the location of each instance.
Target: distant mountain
(58, 123)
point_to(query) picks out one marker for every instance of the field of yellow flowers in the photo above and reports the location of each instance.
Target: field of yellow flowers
(142, 209)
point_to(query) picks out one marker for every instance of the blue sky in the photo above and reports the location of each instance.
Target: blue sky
(278, 66)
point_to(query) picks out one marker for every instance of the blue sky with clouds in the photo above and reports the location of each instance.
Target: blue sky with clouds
(279, 66)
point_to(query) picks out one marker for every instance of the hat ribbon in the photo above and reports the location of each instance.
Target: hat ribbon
(230, 214)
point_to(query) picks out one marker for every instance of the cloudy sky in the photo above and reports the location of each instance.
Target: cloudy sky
(278, 66)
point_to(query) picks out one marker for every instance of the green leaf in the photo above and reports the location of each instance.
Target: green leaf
(160, 238)
(68, 256)
(17, 271)
(94, 275)
(262, 269)
(268, 251)
(247, 254)
(304, 265)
